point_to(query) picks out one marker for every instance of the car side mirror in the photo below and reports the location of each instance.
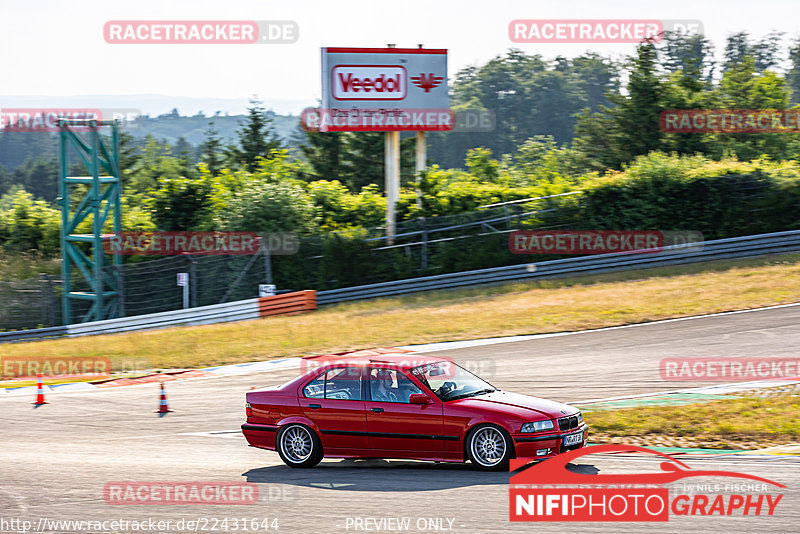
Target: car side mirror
(418, 398)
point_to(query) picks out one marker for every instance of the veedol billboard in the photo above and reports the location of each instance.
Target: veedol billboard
(382, 89)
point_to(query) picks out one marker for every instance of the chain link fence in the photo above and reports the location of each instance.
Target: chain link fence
(421, 246)
(30, 303)
(146, 287)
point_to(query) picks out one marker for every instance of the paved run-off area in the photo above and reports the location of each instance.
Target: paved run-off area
(56, 459)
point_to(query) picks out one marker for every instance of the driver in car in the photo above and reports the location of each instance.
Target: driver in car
(382, 387)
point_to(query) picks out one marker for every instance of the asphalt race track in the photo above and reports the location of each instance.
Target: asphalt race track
(57, 458)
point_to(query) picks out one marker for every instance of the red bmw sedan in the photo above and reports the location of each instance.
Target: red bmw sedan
(409, 407)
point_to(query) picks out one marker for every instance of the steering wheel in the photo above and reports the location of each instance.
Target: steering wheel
(446, 388)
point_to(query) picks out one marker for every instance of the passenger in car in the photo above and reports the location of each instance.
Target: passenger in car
(381, 387)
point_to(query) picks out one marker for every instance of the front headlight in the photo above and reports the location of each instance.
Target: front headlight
(538, 426)
(580, 418)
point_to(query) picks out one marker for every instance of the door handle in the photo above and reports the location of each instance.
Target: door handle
(376, 410)
(314, 406)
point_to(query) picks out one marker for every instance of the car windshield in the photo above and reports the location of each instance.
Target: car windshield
(450, 382)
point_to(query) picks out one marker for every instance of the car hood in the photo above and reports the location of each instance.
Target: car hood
(518, 404)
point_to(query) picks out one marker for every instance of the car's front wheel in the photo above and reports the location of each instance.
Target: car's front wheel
(489, 448)
(299, 446)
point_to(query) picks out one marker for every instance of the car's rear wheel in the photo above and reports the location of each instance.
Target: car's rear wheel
(489, 448)
(298, 446)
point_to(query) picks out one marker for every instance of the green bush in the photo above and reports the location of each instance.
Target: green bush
(28, 225)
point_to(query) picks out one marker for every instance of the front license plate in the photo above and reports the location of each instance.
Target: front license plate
(573, 439)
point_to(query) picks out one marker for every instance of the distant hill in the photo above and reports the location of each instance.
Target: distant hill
(164, 117)
(16, 147)
(154, 104)
(171, 127)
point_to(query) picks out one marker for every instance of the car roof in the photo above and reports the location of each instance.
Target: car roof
(399, 361)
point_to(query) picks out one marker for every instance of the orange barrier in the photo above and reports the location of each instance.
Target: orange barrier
(295, 302)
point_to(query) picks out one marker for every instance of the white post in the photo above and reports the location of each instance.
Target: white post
(183, 281)
(392, 173)
(421, 158)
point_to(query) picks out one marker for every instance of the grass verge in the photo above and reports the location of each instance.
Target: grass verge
(510, 309)
(732, 423)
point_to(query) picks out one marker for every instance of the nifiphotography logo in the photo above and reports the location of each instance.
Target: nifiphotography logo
(549, 491)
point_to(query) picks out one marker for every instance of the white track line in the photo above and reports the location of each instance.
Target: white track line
(450, 345)
(720, 389)
(288, 363)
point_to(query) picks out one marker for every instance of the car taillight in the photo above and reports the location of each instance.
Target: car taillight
(248, 410)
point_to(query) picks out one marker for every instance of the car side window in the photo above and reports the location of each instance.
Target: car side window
(316, 388)
(390, 385)
(341, 383)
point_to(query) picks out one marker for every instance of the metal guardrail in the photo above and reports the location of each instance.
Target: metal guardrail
(36, 333)
(732, 248)
(721, 249)
(241, 310)
(216, 313)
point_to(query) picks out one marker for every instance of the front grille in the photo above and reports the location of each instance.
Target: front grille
(568, 423)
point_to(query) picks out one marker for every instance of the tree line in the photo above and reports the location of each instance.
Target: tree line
(586, 123)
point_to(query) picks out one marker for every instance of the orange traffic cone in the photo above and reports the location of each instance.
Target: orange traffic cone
(163, 407)
(39, 391)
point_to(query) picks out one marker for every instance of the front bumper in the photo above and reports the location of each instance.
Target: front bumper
(548, 443)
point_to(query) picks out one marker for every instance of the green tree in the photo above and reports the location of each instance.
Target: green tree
(129, 152)
(741, 87)
(5, 180)
(692, 55)
(793, 76)
(27, 224)
(481, 165)
(363, 160)
(39, 177)
(180, 204)
(155, 163)
(527, 96)
(212, 150)
(256, 138)
(630, 128)
(324, 152)
(737, 47)
(594, 77)
(271, 207)
(184, 152)
(765, 53)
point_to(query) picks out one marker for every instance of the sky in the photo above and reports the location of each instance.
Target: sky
(56, 47)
